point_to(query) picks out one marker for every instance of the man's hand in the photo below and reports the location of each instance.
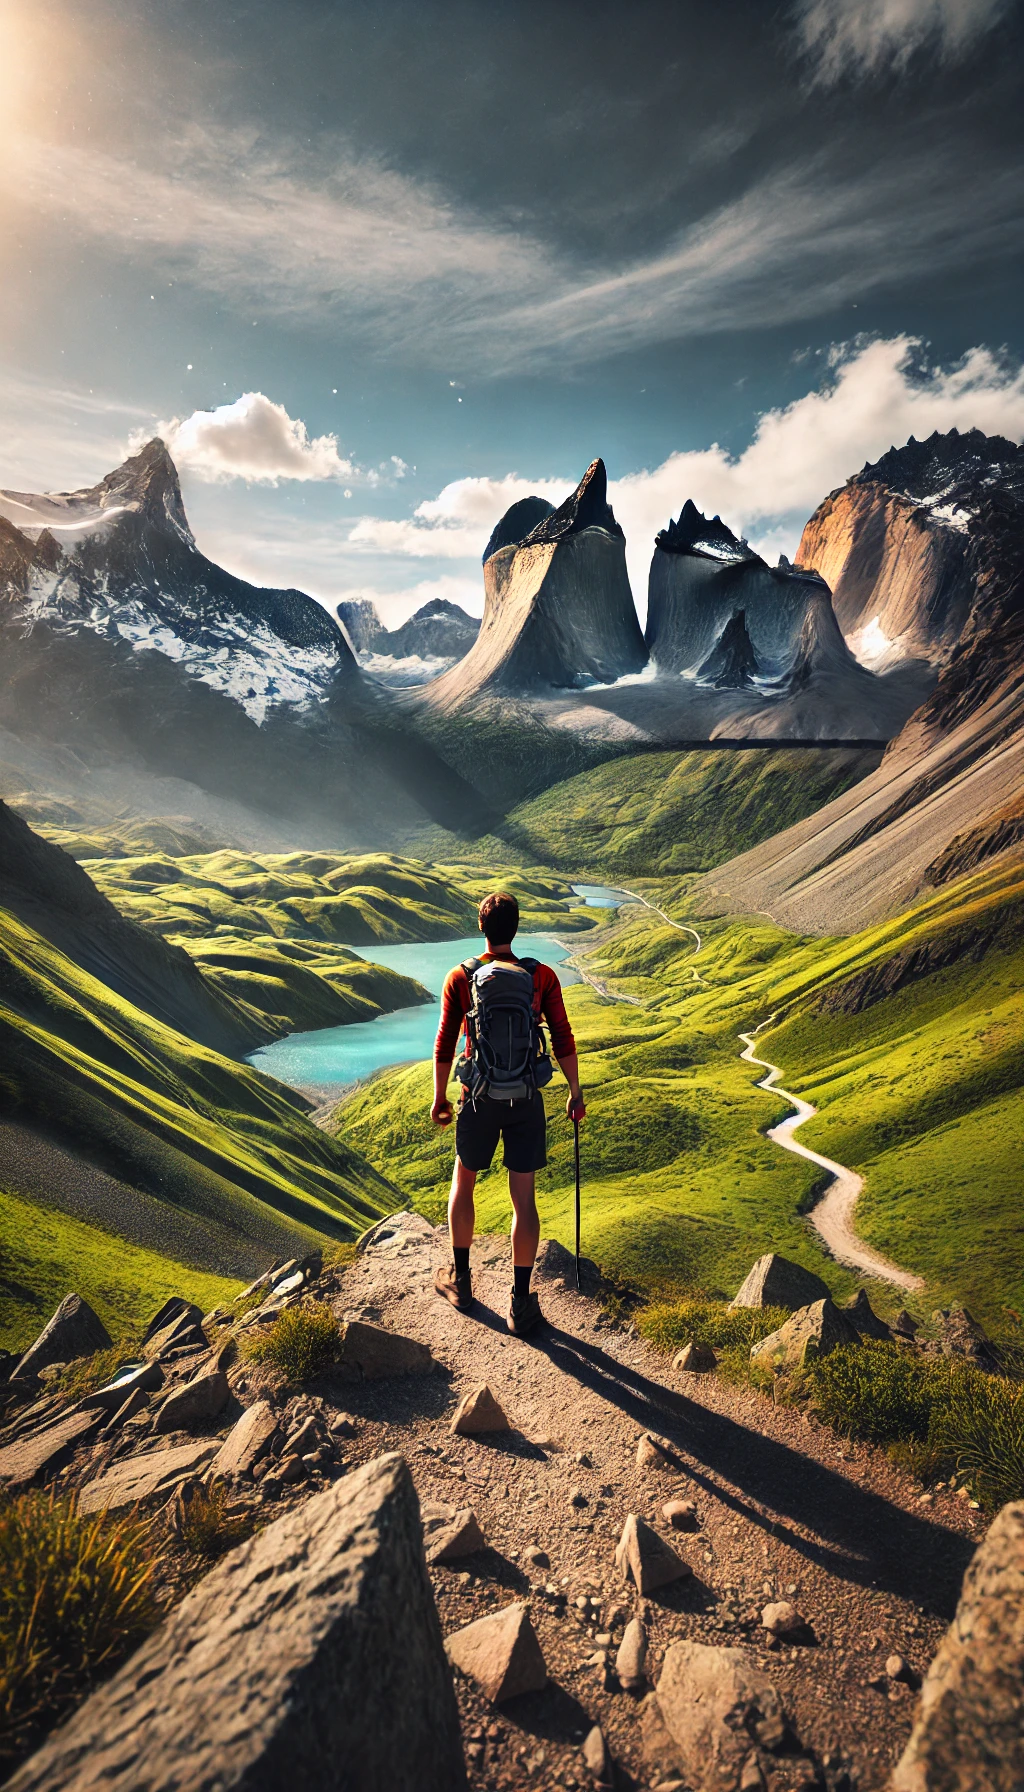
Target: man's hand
(441, 1111)
(576, 1107)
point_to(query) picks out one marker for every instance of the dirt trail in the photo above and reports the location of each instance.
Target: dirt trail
(832, 1216)
(785, 1509)
(597, 982)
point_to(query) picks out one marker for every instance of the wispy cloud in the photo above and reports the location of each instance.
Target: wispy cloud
(354, 245)
(252, 439)
(58, 437)
(868, 37)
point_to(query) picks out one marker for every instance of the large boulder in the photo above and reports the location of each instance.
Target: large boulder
(969, 1732)
(371, 1352)
(74, 1331)
(712, 1710)
(814, 1331)
(776, 1282)
(249, 1439)
(28, 1456)
(310, 1657)
(156, 1472)
(196, 1402)
(177, 1326)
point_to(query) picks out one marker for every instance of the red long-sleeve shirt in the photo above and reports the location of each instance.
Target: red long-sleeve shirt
(547, 1003)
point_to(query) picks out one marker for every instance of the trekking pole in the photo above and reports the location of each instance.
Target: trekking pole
(576, 1154)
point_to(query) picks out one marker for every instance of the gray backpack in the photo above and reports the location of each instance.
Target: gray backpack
(506, 1057)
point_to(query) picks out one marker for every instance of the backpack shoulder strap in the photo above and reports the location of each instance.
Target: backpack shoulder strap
(470, 965)
(530, 964)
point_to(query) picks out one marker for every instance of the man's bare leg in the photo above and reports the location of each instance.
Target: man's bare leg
(461, 1207)
(522, 1186)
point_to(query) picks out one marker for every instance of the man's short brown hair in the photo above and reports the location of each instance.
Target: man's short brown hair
(499, 918)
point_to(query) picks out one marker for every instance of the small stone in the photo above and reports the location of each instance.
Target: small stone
(501, 1653)
(647, 1557)
(136, 1402)
(537, 1556)
(782, 1619)
(478, 1412)
(896, 1667)
(751, 1777)
(595, 1756)
(343, 1426)
(652, 1452)
(695, 1359)
(306, 1438)
(577, 1497)
(291, 1469)
(680, 1514)
(603, 1639)
(462, 1536)
(631, 1658)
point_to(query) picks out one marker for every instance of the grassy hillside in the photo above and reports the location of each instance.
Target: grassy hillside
(683, 1190)
(226, 1150)
(666, 813)
(44, 1252)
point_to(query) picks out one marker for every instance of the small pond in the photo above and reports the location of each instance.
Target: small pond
(601, 895)
(324, 1062)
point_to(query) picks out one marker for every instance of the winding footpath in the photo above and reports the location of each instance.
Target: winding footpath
(832, 1216)
(602, 987)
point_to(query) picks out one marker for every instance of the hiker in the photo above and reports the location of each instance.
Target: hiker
(497, 1002)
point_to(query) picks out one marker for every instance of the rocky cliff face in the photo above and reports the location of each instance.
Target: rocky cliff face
(949, 793)
(558, 610)
(703, 578)
(894, 544)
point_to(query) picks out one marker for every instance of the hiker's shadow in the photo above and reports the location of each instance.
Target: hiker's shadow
(854, 1533)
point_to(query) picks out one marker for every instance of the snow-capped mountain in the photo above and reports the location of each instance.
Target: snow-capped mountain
(119, 560)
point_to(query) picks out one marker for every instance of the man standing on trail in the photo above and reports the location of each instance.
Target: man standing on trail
(497, 1002)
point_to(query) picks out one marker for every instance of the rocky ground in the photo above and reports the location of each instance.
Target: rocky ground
(780, 1511)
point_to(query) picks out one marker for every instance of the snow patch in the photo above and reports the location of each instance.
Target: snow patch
(413, 669)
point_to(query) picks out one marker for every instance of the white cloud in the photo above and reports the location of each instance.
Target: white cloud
(875, 395)
(859, 37)
(252, 439)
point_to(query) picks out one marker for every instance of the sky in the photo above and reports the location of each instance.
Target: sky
(375, 269)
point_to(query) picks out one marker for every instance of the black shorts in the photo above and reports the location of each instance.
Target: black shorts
(521, 1124)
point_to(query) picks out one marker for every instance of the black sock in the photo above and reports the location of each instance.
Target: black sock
(521, 1279)
(461, 1259)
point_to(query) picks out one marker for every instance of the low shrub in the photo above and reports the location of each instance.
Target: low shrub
(302, 1342)
(76, 1593)
(671, 1324)
(938, 1415)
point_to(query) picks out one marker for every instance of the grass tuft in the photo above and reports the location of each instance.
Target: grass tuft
(76, 1593)
(208, 1525)
(671, 1324)
(302, 1343)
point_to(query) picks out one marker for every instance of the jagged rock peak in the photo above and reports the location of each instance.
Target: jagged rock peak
(694, 533)
(925, 470)
(148, 480)
(519, 519)
(586, 508)
(732, 665)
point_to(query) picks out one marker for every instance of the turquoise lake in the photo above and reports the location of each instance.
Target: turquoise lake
(601, 895)
(323, 1062)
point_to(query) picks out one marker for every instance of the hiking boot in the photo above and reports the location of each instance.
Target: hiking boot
(457, 1289)
(523, 1313)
